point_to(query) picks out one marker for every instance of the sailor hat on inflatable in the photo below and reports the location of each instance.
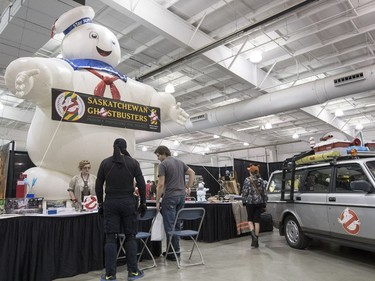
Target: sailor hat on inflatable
(73, 19)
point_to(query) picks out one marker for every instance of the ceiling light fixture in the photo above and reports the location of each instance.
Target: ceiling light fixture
(1, 106)
(359, 127)
(246, 144)
(339, 113)
(175, 153)
(216, 137)
(268, 126)
(295, 136)
(144, 148)
(256, 56)
(169, 89)
(248, 128)
(176, 142)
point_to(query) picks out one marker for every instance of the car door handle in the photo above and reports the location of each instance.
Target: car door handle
(298, 198)
(332, 199)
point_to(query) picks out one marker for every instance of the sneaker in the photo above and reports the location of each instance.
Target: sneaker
(170, 254)
(171, 257)
(135, 275)
(105, 277)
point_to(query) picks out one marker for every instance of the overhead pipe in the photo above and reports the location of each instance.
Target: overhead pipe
(309, 94)
(225, 40)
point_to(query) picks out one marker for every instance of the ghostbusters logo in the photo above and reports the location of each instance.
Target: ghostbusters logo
(350, 221)
(90, 202)
(70, 106)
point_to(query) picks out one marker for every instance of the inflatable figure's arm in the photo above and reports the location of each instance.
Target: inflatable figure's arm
(33, 78)
(169, 108)
(177, 114)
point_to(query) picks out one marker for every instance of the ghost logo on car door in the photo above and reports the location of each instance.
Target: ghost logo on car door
(350, 221)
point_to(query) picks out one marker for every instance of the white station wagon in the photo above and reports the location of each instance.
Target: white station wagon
(334, 201)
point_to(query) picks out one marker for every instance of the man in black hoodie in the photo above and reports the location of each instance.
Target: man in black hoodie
(118, 172)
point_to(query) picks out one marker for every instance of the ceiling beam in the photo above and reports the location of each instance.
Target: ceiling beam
(164, 22)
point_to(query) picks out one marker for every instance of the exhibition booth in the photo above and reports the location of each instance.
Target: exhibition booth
(40, 244)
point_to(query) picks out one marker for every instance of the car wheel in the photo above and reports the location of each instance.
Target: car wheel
(294, 235)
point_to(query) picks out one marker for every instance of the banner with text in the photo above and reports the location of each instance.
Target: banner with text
(77, 107)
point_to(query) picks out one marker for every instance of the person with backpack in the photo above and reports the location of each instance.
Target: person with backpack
(254, 193)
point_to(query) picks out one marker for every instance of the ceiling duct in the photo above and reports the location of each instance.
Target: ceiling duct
(300, 96)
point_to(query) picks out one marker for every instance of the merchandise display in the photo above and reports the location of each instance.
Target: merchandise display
(23, 205)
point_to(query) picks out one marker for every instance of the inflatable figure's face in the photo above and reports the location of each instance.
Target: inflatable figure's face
(91, 41)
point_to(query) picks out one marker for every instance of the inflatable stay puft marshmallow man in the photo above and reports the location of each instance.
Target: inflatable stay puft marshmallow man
(201, 192)
(90, 53)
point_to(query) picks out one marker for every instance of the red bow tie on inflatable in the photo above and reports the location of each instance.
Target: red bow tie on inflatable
(105, 80)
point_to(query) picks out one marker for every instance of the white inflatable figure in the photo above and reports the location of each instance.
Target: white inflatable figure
(90, 52)
(201, 192)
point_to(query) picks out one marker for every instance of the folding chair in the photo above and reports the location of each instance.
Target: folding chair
(187, 214)
(142, 236)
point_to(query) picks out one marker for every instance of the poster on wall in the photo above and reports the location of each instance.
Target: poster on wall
(4, 163)
(69, 106)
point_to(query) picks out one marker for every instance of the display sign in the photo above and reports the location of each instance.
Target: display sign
(77, 107)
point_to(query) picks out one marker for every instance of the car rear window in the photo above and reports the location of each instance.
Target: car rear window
(276, 180)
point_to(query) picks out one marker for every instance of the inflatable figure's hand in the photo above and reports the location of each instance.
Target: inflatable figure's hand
(177, 114)
(25, 82)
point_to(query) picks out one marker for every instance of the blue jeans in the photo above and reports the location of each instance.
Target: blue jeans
(169, 208)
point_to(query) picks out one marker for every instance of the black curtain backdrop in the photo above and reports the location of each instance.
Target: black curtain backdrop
(274, 166)
(211, 174)
(19, 162)
(210, 177)
(240, 166)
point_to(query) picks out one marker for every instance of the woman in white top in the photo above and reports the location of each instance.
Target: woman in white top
(82, 184)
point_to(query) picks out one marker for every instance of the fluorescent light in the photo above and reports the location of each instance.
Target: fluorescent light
(268, 126)
(248, 128)
(339, 112)
(216, 137)
(169, 89)
(256, 56)
(245, 143)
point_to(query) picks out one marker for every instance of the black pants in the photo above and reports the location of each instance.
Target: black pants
(253, 212)
(120, 216)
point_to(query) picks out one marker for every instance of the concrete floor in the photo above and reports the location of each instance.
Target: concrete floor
(274, 260)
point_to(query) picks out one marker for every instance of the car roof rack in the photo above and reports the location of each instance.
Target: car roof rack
(310, 157)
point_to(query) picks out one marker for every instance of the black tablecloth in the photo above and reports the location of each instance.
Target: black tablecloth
(46, 248)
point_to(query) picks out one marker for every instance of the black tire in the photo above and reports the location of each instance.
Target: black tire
(294, 235)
